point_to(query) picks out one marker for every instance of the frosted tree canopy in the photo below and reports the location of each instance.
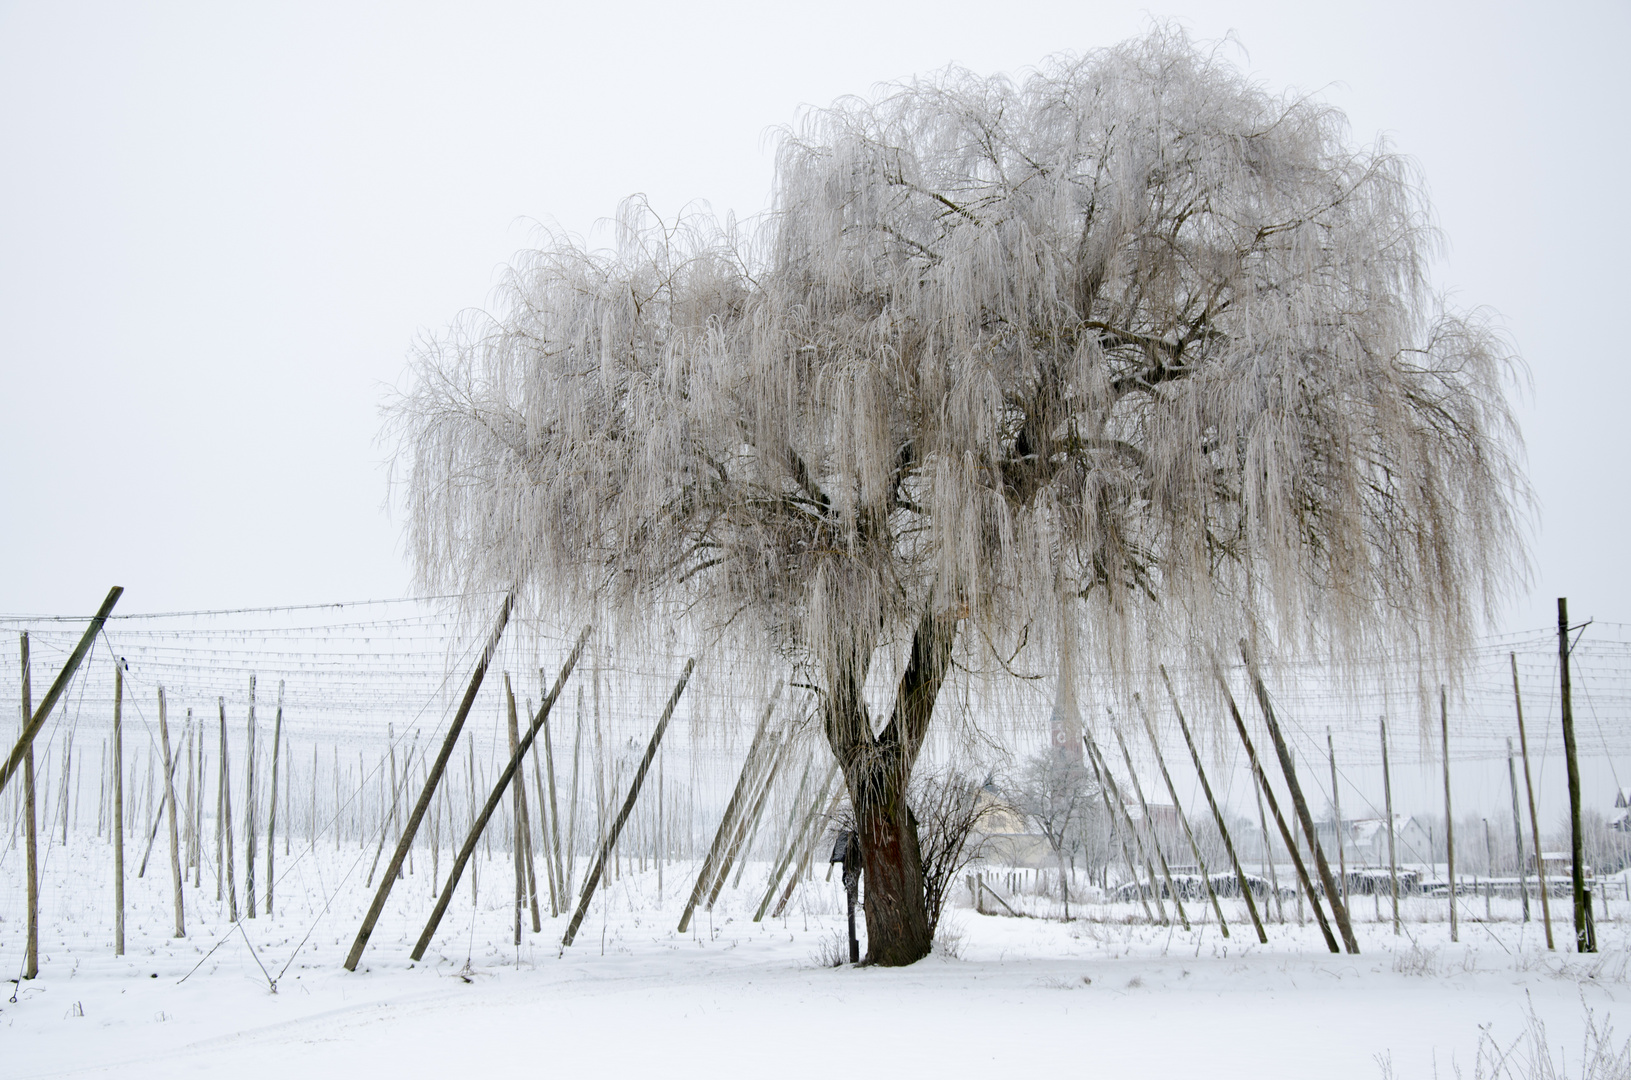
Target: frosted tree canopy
(1128, 329)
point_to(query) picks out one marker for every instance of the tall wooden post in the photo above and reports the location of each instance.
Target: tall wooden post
(1217, 814)
(1339, 833)
(1116, 828)
(1392, 853)
(1149, 826)
(271, 814)
(1279, 819)
(223, 825)
(1585, 930)
(1449, 818)
(528, 880)
(31, 956)
(1102, 771)
(251, 841)
(438, 767)
(1517, 828)
(1183, 821)
(170, 806)
(592, 881)
(31, 727)
(554, 838)
(1534, 821)
(727, 825)
(118, 810)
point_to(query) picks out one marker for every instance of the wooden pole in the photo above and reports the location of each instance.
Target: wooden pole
(554, 821)
(1339, 833)
(118, 810)
(31, 955)
(809, 835)
(480, 818)
(251, 840)
(1217, 813)
(1109, 781)
(224, 823)
(545, 821)
(572, 807)
(727, 824)
(438, 767)
(1300, 805)
(170, 805)
(271, 813)
(1585, 930)
(593, 880)
(1449, 818)
(1172, 791)
(1534, 820)
(14, 760)
(1116, 827)
(1392, 854)
(1517, 828)
(1279, 819)
(1149, 827)
(751, 820)
(527, 882)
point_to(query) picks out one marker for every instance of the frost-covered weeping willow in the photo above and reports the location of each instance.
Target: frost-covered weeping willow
(1128, 354)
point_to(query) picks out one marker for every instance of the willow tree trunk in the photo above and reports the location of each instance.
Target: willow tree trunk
(877, 769)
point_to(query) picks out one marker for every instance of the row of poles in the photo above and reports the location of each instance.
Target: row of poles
(767, 753)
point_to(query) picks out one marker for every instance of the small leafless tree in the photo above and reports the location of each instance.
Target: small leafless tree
(947, 808)
(1057, 794)
(1128, 355)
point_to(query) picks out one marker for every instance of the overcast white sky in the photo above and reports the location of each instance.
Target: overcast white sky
(221, 228)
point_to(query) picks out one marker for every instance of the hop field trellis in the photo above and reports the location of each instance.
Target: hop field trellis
(361, 683)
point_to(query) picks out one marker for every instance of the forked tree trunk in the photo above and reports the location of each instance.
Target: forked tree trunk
(877, 769)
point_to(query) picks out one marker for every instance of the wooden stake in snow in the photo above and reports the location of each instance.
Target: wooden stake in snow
(1279, 819)
(593, 880)
(251, 840)
(1116, 828)
(1149, 826)
(31, 728)
(1585, 928)
(118, 811)
(1517, 828)
(1217, 814)
(1336, 811)
(1392, 855)
(271, 814)
(727, 824)
(223, 826)
(1534, 821)
(554, 838)
(170, 804)
(423, 802)
(1178, 809)
(31, 956)
(526, 877)
(751, 821)
(1449, 817)
(493, 800)
(1289, 769)
(802, 844)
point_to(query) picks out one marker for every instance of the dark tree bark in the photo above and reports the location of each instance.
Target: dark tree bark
(877, 769)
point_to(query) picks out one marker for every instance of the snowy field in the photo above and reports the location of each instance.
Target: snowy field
(1103, 995)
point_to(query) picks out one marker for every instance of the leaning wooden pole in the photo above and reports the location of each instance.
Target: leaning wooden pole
(170, 805)
(493, 800)
(527, 878)
(31, 956)
(1217, 814)
(439, 766)
(1449, 816)
(1534, 821)
(1178, 808)
(1517, 828)
(1108, 782)
(593, 880)
(1300, 804)
(1392, 853)
(1116, 828)
(747, 826)
(1149, 827)
(118, 812)
(1585, 931)
(727, 824)
(271, 813)
(31, 728)
(1274, 806)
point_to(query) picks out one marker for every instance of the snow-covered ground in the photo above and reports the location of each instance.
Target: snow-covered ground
(1103, 995)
